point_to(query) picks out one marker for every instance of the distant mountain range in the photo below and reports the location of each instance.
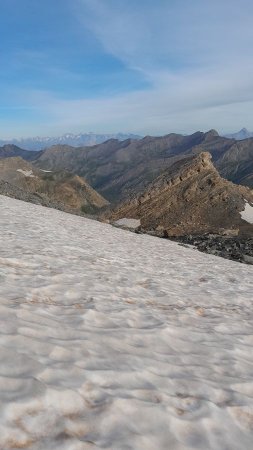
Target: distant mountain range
(116, 169)
(75, 140)
(89, 139)
(240, 135)
(167, 182)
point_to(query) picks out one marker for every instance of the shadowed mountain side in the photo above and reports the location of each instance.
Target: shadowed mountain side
(236, 164)
(10, 150)
(64, 187)
(189, 197)
(118, 169)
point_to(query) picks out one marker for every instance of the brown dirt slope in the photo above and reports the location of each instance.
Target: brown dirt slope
(71, 190)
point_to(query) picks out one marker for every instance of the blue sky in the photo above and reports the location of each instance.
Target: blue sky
(149, 67)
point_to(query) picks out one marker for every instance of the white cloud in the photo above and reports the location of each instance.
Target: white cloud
(206, 100)
(197, 55)
(171, 32)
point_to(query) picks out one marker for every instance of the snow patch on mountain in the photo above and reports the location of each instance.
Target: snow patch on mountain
(128, 223)
(26, 173)
(247, 213)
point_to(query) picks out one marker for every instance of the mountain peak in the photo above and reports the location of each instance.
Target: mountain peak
(212, 133)
(189, 197)
(244, 133)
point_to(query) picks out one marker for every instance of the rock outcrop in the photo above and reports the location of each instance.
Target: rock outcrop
(235, 248)
(190, 197)
(118, 169)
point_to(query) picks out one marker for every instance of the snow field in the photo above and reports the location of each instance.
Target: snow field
(120, 341)
(247, 213)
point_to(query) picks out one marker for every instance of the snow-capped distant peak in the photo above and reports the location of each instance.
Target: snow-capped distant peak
(75, 140)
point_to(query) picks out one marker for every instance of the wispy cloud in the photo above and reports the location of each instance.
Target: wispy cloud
(172, 33)
(196, 54)
(206, 100)
(196, 57)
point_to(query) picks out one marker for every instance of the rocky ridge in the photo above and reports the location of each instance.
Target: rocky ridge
(189, 198)
(75, 140)
(117, 169)
(11, 150)
(60, 188)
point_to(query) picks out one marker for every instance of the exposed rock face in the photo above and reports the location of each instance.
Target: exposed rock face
(117, 169)
(59, 187)
(189, 197)
(12, 191)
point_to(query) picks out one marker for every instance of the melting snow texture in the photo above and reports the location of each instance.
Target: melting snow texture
(119, 341)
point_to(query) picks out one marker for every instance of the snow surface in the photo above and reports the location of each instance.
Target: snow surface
(27, 173)
(114, 340)
(247, 213)
(128, 223)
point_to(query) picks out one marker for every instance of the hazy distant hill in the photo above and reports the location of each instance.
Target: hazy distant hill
(240, 135)
(11, 150)
(75, 140)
